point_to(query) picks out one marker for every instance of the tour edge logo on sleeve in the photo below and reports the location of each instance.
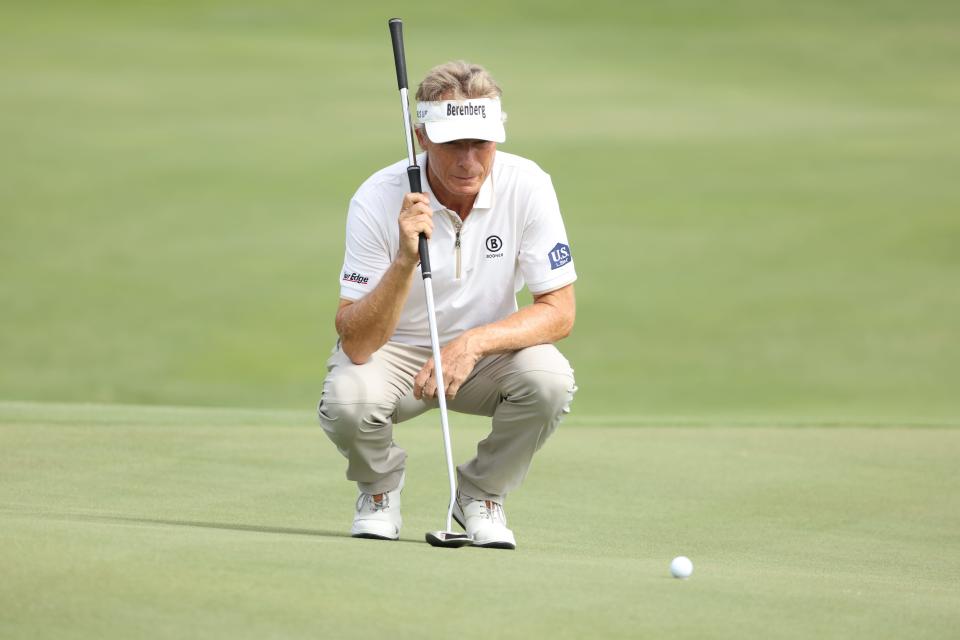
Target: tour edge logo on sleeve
(355, 277)
(559, 256)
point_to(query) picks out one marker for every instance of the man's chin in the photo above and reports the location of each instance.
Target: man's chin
(466, 189)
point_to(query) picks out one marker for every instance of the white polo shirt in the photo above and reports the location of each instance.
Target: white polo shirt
(513, 237)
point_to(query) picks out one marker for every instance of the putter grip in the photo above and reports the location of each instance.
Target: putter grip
(396, 35)
(424, 258)
(413, 175)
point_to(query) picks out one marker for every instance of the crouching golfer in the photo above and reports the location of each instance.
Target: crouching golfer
(494, 225)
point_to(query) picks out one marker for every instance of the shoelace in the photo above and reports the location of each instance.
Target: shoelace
(494, 512)
(374, 505)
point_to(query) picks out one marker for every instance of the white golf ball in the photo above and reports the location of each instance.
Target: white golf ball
(681, 567)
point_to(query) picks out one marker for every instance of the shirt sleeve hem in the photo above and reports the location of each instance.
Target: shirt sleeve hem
(351, 294)
(552, 284)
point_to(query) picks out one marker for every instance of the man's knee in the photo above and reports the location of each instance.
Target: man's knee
(346, 418)
(351, 403)
(544, 376)
(551, 391)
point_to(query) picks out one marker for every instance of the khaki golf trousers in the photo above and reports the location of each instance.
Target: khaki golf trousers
(526, 392)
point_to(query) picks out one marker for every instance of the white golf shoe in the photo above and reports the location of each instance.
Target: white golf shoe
(485, 522)
(378, 516)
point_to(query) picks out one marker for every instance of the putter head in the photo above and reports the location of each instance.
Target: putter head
(449, 539)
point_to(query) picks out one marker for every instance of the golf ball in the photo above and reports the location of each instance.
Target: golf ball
(681, 567)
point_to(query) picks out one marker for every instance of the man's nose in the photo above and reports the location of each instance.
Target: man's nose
(468, 155)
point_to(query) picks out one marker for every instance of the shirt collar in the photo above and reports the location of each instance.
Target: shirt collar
(485, 196)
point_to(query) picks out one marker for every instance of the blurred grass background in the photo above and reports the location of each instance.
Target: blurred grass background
(762, 197)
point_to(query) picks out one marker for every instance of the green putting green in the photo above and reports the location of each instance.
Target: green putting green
(153, 522)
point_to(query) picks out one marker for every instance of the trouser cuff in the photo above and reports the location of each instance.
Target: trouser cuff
(385, 484)
(468, 489)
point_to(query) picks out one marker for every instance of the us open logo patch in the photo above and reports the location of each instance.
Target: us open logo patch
(559, 256)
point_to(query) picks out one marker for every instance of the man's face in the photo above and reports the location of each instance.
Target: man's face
(458, 167)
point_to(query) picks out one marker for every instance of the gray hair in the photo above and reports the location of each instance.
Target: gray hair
(457, 80)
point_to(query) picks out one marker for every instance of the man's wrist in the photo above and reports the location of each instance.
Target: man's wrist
(476, 344)
(405, 263)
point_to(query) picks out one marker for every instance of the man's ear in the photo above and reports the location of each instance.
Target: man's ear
(422, 138)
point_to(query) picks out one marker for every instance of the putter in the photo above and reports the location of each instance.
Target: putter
(445, 538)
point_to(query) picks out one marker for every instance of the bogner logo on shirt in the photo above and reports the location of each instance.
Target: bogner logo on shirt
(494, 245)
(559, 256)
(355, 277)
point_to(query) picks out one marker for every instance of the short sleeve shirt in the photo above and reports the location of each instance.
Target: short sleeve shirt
(514, 236)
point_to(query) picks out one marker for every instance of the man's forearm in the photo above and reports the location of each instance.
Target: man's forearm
(367, 324)
(549, 319)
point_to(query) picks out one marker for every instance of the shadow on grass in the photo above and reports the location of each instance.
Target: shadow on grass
(201, 524)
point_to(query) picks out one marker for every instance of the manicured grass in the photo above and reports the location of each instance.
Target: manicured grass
(122, 522)
(761, 196)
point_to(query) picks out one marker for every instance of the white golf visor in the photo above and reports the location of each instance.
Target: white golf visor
(474, 119)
